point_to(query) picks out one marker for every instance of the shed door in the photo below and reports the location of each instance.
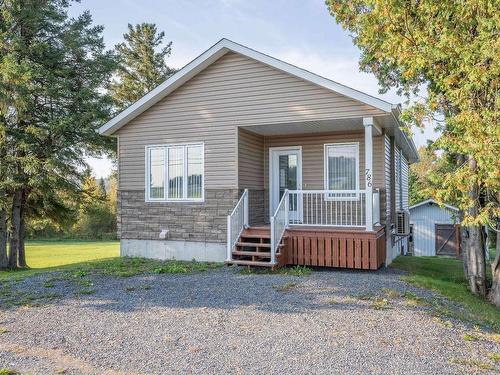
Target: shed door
(447, 239)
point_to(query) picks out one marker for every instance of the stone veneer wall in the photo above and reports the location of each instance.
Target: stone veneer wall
(197, 221)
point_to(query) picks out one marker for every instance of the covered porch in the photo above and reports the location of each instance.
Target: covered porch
(312, 194)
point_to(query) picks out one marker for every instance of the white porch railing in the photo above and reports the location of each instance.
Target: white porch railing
(236, 222)
(279, 222)
(339, 208)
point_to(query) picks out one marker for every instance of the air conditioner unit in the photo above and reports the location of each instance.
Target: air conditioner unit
(402, 223)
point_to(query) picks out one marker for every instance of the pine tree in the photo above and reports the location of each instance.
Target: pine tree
(102, 188)
(53, 71)
(143, 66)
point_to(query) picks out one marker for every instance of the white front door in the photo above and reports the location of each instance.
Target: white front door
(285, 172)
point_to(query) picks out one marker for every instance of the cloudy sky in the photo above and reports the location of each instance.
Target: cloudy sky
(301, 32)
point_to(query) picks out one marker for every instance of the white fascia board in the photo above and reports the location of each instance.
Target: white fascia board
(214, 53)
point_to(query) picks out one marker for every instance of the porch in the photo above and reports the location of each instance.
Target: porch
(311, 228)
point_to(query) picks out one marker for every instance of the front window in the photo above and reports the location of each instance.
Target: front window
(175, 172)
(342, 167)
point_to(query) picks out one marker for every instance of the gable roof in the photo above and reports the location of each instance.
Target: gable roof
(214, 53)
(432, 201)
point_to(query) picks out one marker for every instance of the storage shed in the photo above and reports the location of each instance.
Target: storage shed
(434, 229)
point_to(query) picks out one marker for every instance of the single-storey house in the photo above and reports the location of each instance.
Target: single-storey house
(243, 158)
(434, 229)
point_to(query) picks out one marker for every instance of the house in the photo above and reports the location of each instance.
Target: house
(434, 229)
(241, 157)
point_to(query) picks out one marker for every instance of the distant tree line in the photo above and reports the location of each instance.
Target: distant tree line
(92, 217)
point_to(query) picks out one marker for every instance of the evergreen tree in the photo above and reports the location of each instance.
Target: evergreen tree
(53, 70)
(102, 188)
(143, 66)
(451, 49)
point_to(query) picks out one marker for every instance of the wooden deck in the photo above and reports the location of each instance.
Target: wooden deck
(352, 248)
(340, 248)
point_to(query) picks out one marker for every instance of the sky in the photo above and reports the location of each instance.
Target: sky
(301, 32)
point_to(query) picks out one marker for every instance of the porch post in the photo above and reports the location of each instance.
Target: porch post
(368, 124)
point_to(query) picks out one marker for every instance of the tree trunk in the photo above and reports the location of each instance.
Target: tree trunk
(474, 254)
(15, 229)
(4, 261)
(21, 254)
(495, 268)
(475, 258)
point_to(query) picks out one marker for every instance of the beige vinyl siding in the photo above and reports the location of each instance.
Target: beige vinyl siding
(405, 183)
(387, 179)
(233, 91)
(313, 156)
(250, 160)
(398, 182)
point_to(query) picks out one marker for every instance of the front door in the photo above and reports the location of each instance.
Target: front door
(285, 173)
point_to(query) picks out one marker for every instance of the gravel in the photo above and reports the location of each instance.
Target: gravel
(226, 322)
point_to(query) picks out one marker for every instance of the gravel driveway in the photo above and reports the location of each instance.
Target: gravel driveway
(226, 322)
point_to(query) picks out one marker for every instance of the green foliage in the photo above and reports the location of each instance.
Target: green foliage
(425, 175)
(53, 72)
(93, 215)
(142, 64)
(6, 371)
(295, 271)
(445, 276)
(449, 49)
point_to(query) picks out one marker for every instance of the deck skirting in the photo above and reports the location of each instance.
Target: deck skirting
(355, 249)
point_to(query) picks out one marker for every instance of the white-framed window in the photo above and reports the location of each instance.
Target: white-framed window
(175, 172)
(342, 168)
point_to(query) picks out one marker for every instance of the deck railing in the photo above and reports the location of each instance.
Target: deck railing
(237, 221)
(279, 223)
(342, 208)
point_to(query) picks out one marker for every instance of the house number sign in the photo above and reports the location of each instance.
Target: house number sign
(368, 176)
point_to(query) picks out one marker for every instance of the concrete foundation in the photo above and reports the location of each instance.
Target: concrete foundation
(171, 249)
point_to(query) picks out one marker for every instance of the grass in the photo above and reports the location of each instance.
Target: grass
(380, 304)
(473, 363)
(445, 276)
(6, 371)
(288, 271)
(76, 263)
(495, 357)
(75, 260)
(43, 256)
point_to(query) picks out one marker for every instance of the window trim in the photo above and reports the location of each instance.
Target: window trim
(325, 170)
(165, 148)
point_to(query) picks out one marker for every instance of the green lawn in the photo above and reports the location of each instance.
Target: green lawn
(43, 256)
(81, 258)
(445, 276)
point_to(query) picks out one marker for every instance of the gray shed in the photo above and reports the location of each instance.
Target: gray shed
(434, 229)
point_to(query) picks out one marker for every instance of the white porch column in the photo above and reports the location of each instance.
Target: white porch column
(368, 124)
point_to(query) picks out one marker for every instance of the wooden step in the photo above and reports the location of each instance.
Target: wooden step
(252, 253)
(253, 244)
(251, 263)
(256, 235)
